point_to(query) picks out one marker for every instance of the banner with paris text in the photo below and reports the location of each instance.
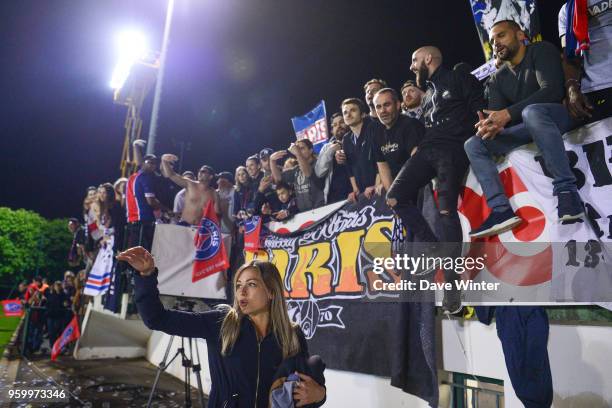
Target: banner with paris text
(312, 125)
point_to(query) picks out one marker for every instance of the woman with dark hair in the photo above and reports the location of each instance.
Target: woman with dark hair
(243, 195)
(249, 344)
(112, 215)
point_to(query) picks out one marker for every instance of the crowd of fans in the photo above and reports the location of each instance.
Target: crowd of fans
(397, 145)
(51, 307)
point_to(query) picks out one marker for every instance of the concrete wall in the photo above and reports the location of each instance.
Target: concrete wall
(580, 359)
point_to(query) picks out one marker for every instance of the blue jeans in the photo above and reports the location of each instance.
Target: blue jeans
(544, 124)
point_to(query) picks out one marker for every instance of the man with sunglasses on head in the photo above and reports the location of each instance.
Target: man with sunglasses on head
(198, 192)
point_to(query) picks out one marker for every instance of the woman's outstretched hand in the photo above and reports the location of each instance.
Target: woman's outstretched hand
(140, 259)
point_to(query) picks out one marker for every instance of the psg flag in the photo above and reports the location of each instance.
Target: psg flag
(12, 307)
(252, 231)
(210, 256)
(70, 334)
(313, 126)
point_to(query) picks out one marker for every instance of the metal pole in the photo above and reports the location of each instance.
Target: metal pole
(162, 367)
(160, 80)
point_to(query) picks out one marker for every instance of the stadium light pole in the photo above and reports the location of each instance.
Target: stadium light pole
(160, 80)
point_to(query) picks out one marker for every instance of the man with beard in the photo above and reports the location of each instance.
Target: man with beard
(450, 105)
(198, 192)
(411, 100)
(337, 181)
(397, 139)
(524, 106)
(370, 88)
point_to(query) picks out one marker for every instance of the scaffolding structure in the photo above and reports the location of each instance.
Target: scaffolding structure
(132, 94)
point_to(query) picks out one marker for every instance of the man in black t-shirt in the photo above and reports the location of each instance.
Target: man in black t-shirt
(358, 148)
(397, 139)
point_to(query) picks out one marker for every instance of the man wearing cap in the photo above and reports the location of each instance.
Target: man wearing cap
(197, 192)
(141, 203)
(412, 96)
(264, 160)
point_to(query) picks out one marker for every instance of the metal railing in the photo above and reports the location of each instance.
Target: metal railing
(473, 400)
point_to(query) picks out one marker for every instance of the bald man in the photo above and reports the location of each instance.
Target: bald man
(450, 105)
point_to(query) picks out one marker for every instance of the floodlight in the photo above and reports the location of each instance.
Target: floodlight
(132, 47)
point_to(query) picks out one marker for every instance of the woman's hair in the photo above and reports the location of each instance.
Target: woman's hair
(103, 208)
(281, 326)
(239, 186)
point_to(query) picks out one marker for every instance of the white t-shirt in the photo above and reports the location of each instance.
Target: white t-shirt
(598, 59)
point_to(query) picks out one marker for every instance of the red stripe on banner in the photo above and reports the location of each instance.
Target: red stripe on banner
(98, 282)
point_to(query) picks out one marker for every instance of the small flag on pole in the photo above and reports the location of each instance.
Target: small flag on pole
(70, 334)
(313, 126)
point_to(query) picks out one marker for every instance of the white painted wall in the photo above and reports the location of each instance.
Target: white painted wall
(580, 359)
(581, 362)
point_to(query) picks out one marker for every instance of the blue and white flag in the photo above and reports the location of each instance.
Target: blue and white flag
(99, 278)
(312, 125)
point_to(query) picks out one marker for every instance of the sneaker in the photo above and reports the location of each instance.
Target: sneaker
(451, 303)
(496, 223)
(570, 206)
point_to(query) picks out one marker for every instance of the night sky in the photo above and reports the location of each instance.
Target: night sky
(237, 71)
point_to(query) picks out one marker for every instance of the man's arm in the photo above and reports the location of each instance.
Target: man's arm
(325, 160)
(138, 146)
(167, 170)
(549, 74)
(216, 201)
(156, 204)
(473, 92)
(305, 165)
(577, 103)
(277, 174)
(385, 174)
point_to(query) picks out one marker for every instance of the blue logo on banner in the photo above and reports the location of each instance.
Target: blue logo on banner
(251, 224)
(13, 307)
(209, 241)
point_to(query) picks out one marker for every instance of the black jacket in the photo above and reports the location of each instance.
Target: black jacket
(57, 304)
(360, 155)
(450, 103)
(241, 379)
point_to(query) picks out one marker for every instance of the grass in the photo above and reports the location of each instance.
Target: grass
(7, 327)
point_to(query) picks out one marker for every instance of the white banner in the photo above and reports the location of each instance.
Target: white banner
(99, 278)
(563, 262)
(174, 250)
